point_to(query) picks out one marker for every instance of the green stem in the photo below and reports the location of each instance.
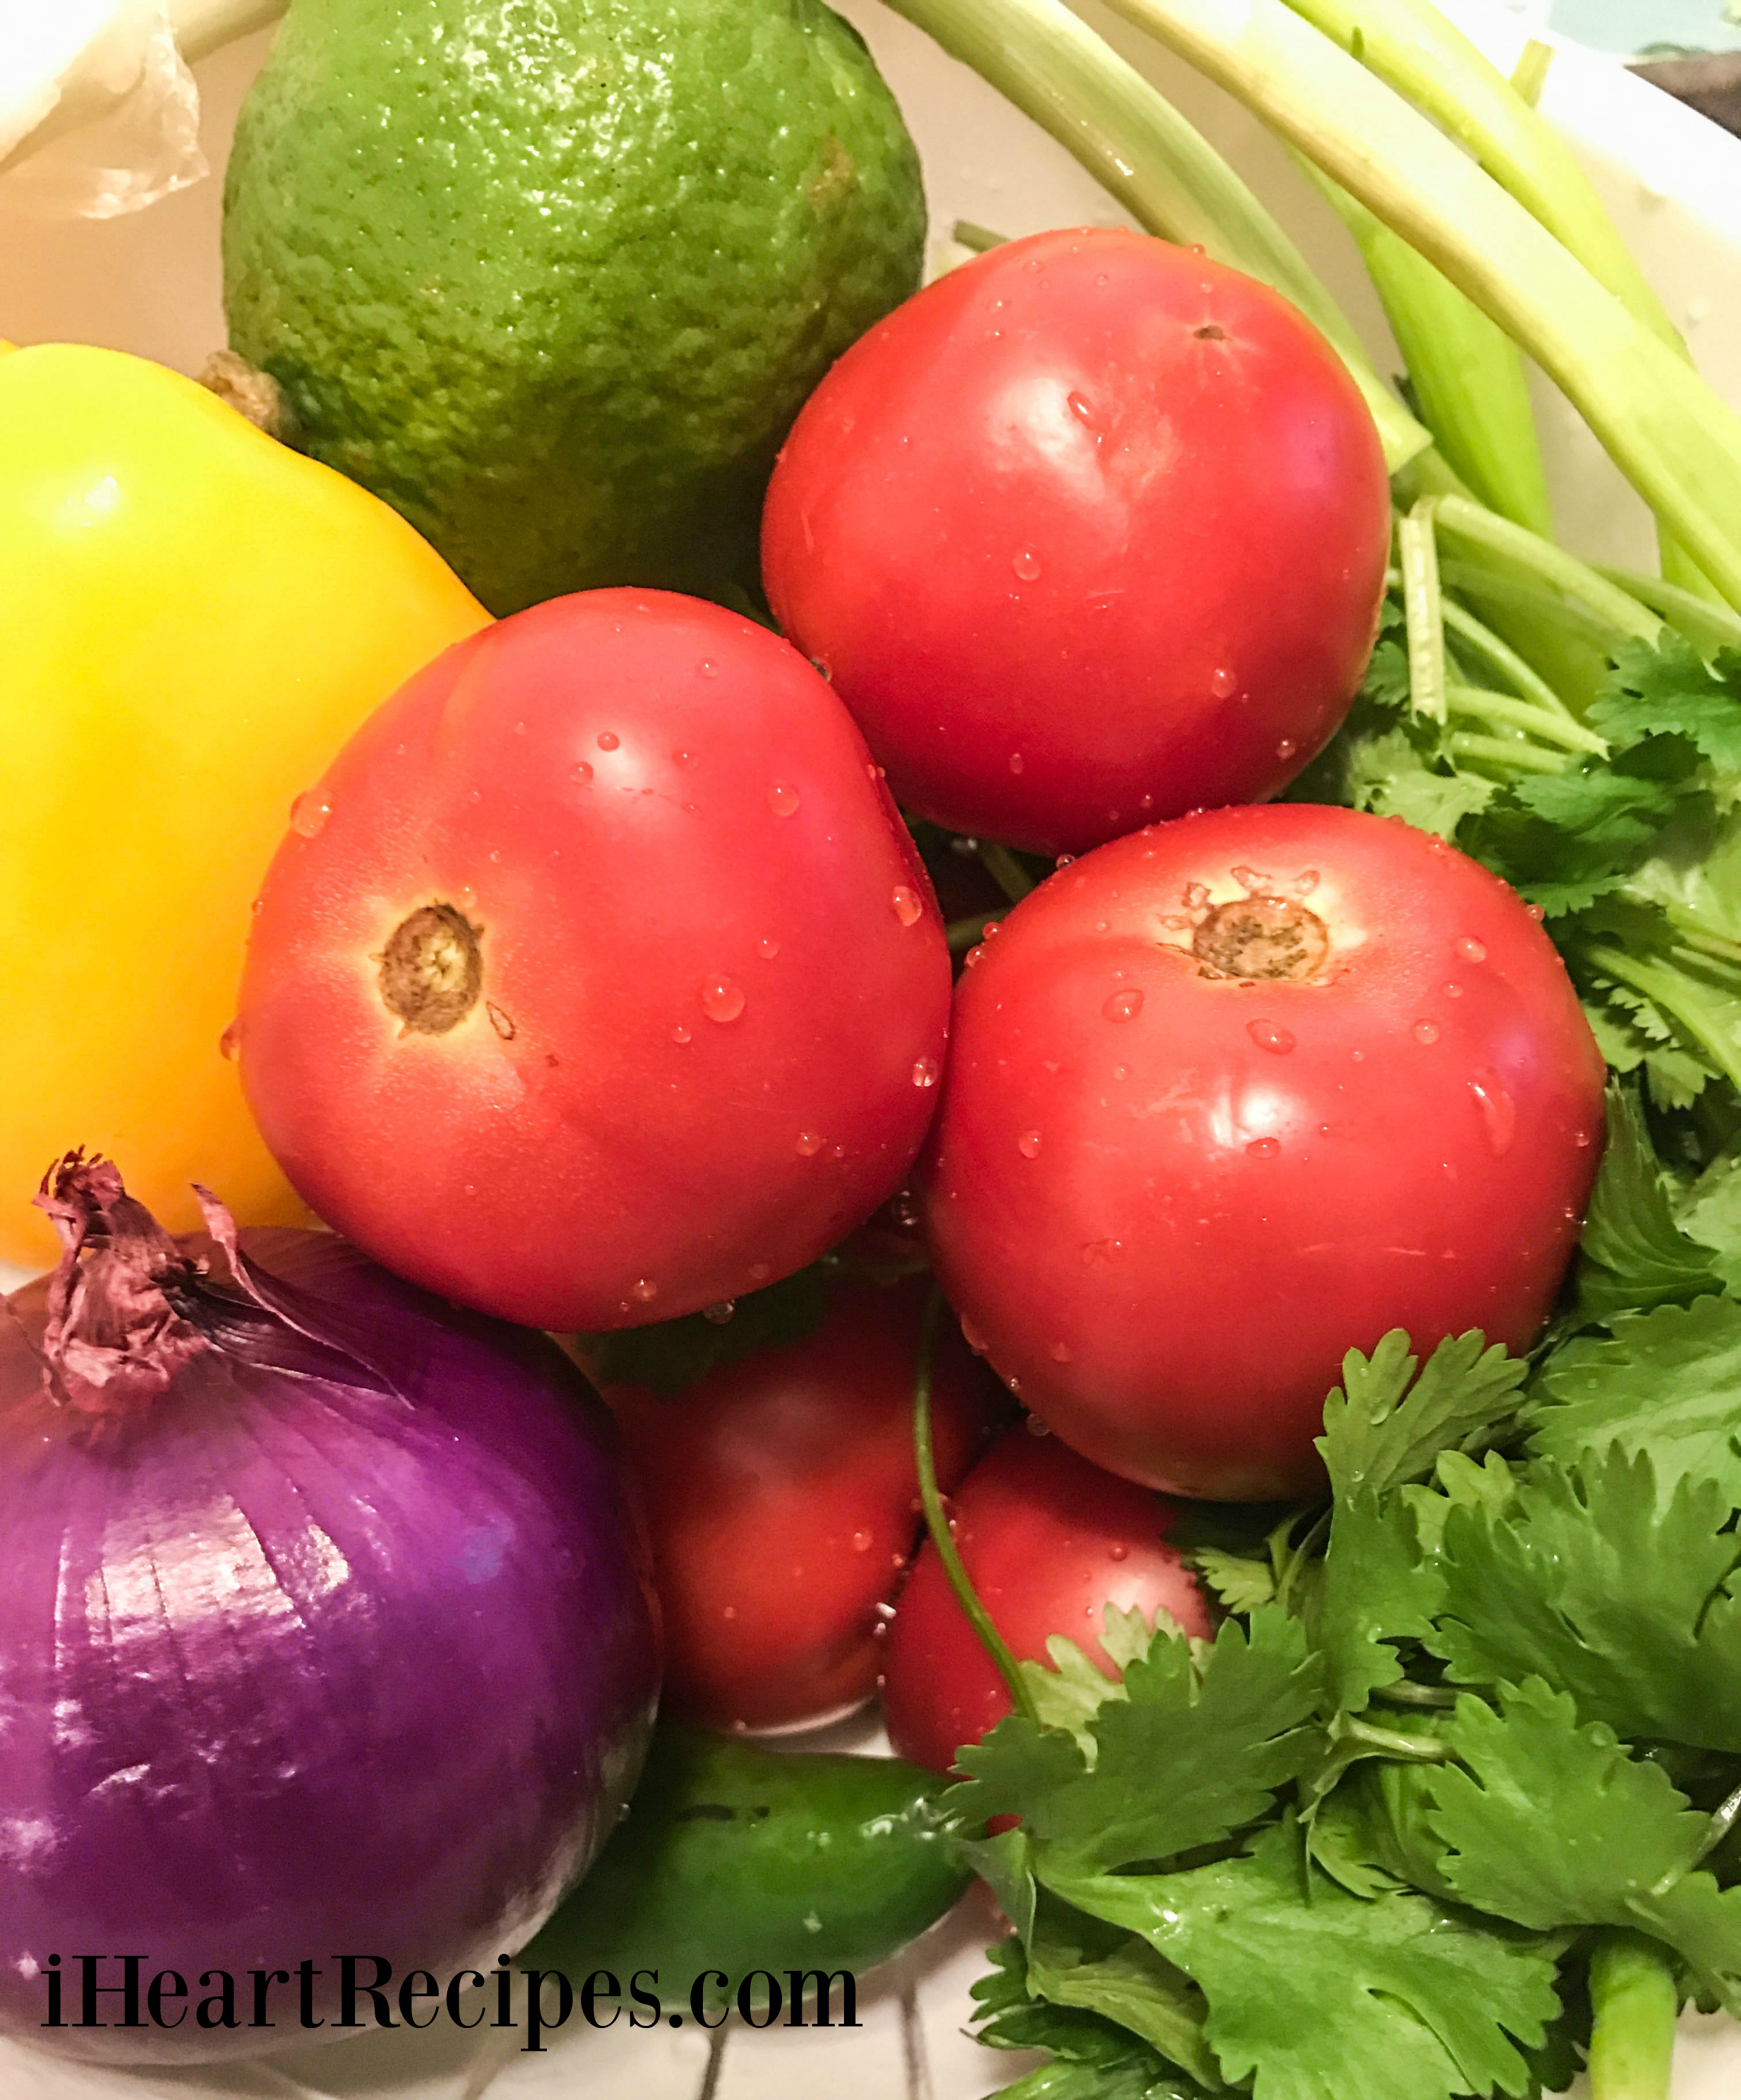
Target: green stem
(1663, 989)
(965, 933)
(1522, 598)
(1411, 45)
(1418, 558)
(1499, 656)
(1130, 138)
(1481, 704)
(981, 239)
(937, 1522)
(1707, 626)
(1634, 2002)
(1508, 754)
(1408, 1693)
(1392, 1743)
(1005, 870)
(1467, 374)
(1606, 603)
(1672, 436)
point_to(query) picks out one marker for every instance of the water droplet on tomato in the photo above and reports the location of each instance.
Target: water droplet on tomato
(230, 1042)
(685, 760)
(1582, 1139)
(1016, 762)
(970, 959)
(1026, 564)
(1123, 1005)
(760, 1271)
(707, 667)
(1270, 1035)
(1027, 1145)
(810, 1142)
(608, 739)
(861, 1544)
(1035, 1427)
(1222, 682)
(990, 928)
(1469, 950)
(1059, 1353)
(1118, 1553)
(721, 1000)
(1285, 749)
(1425, 1032)
(308, 814)
(1100, 1251)
(909, 906)
(643, 1290)
(1499, 1112)
(1452, 989)
(1536, 912)
(582, 775)
(783, 800)
(1264, 1148)
(821, 666)
(1080, 408)
(925, 1072)
(971, 1335)
(718, 1313)
(1064, 860)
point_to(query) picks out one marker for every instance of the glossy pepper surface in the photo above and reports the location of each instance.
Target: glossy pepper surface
(734, 1858)
(192, 619)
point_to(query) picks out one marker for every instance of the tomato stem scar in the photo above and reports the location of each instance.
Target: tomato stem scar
(432, 969)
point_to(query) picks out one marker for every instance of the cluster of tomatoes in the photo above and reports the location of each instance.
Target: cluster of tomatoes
(600, 982)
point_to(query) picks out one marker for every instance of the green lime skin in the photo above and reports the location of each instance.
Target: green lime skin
(552, 277)
(734, 1858)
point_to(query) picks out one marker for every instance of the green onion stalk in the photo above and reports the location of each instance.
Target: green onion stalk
(1675, 439)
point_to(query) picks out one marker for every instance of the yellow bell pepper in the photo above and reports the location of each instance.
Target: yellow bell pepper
(193, 619)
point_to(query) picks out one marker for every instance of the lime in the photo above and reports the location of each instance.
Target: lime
(554, 276)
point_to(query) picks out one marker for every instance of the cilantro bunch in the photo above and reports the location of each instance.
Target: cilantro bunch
(1448, 1806)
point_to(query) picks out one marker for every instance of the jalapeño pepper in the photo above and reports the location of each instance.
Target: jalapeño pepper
(735, 1858)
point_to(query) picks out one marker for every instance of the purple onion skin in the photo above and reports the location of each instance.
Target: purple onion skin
(292, 1667)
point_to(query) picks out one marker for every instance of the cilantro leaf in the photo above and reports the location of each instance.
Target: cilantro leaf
(1553, 1824)
(1074, 1960)
(1634, 1255)
(1377, 1587)
(1384, 1425)
(1314, 1994)
(1226, 1730)
(1667, 689)
(1069, 1693)
(1609, 1588)
(670, 1355)
(1668, 1381)
(1093, 2057)
(1241, 1583)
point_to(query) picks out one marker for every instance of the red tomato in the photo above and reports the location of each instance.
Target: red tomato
(1092, 530)
(599, 979)
(1047, 1540)
(782, 1497)
(1205, 1128)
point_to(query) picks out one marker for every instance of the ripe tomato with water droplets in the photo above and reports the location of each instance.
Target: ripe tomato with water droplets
(1233, 1095)
(1092, 530)
(782, 1497)
(1048, 1542)
(558, 1011)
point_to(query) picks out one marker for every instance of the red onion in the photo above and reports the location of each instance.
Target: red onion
(324, 1626)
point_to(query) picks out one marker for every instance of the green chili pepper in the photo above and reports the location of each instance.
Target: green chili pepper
(735, 1858)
